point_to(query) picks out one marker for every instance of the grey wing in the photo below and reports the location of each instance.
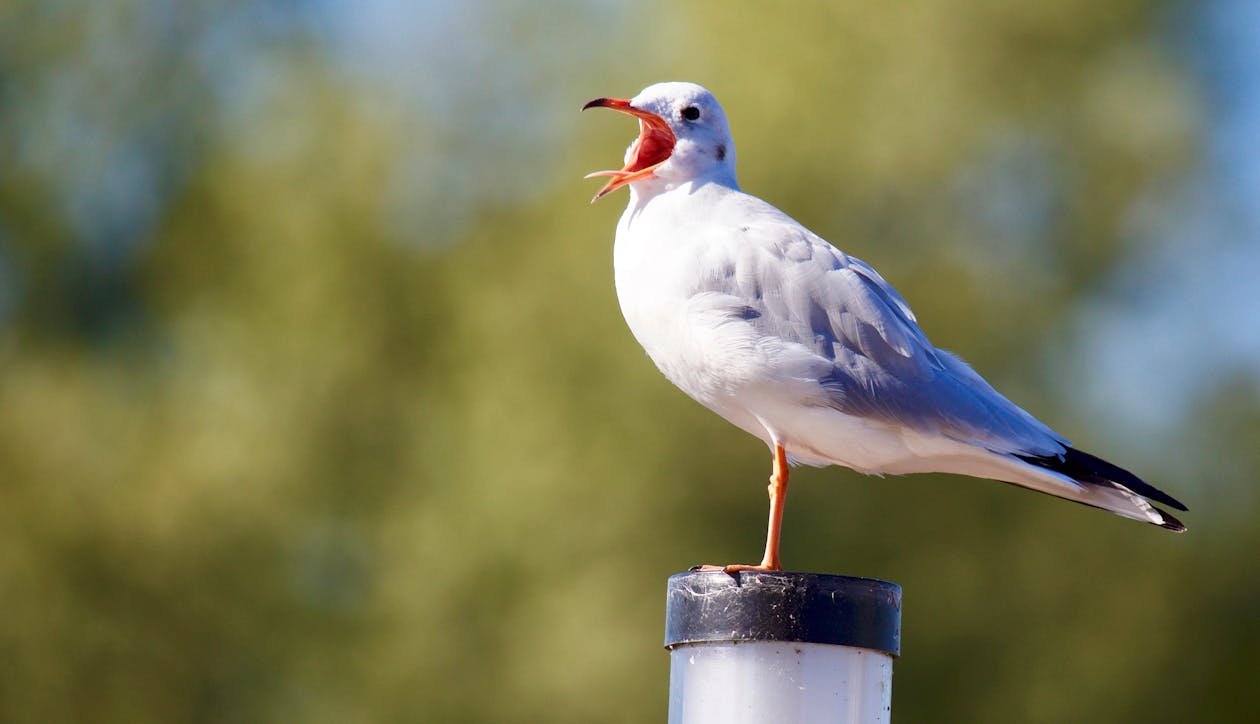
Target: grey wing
(873, 360)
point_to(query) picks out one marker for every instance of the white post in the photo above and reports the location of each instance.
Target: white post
(780, 647)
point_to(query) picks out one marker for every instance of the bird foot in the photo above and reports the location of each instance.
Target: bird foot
(734, 568)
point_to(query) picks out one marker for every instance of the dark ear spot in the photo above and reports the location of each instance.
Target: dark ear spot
(720, 151)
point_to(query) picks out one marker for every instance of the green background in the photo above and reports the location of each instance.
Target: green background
(316, 403)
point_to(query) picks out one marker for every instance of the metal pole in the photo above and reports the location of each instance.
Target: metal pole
(780, 647)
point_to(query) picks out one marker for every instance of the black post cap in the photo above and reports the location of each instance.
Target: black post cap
(710, 606)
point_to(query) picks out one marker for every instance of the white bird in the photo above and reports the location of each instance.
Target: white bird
(790, 339)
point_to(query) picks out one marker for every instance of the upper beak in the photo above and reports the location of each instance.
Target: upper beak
(652, 148)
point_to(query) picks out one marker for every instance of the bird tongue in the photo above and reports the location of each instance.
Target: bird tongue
(652, 148)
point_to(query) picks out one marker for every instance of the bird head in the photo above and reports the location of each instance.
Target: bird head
(683, 135)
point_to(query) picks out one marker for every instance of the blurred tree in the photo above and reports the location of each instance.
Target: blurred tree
(316, 405)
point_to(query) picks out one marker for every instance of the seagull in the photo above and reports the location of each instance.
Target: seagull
(790, 339)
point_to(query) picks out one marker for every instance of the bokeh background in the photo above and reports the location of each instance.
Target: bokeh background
(316, 404)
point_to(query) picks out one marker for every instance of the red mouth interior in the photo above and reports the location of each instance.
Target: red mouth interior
(653, 146)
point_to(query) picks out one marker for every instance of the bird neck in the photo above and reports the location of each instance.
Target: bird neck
(678, 201)
(720, 176)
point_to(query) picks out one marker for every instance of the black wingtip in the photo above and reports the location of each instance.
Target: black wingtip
(1170, 523)
(1087, 468)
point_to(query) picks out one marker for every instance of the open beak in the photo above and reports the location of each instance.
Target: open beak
(652, 148)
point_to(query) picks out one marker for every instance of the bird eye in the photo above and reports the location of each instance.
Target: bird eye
(691, 113)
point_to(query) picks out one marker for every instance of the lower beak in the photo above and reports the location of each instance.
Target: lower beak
(653, 147)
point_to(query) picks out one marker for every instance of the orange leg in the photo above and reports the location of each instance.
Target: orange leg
(778, 494)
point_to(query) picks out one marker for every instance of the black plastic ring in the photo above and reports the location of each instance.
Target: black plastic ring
(710, 606)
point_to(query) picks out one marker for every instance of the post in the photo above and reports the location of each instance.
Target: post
(780, 647)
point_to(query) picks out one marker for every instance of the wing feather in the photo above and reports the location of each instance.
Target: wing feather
(873, 358)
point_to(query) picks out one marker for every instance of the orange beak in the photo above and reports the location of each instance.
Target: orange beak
(652, 148)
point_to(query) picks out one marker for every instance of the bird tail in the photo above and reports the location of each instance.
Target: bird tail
(1095, 482)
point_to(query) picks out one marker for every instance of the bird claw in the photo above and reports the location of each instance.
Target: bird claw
(732, 569)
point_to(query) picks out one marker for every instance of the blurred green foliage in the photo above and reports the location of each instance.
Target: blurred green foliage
(279, 444)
